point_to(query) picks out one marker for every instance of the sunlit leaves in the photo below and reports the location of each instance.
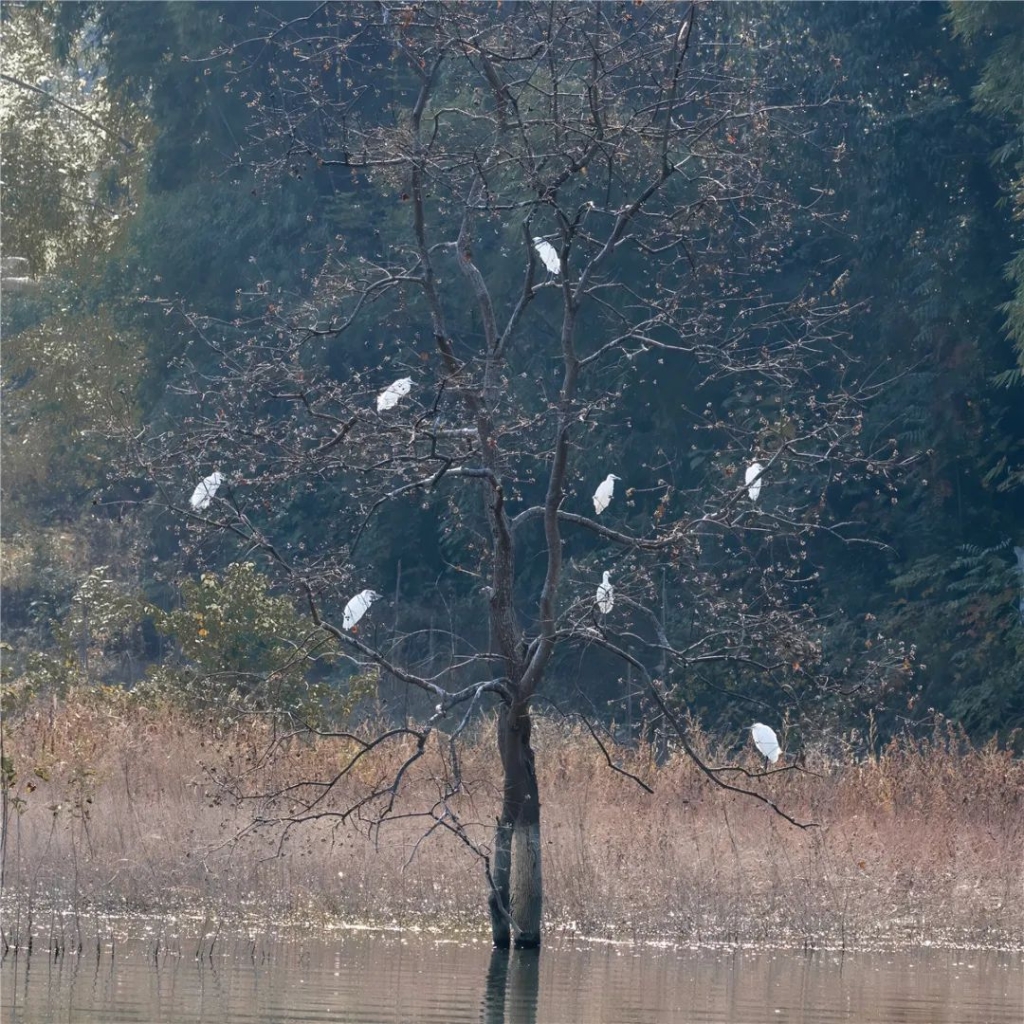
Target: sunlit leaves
(245, 647)
(72, 157)
(67, 383)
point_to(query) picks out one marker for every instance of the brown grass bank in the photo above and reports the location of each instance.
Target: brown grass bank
(113, 808)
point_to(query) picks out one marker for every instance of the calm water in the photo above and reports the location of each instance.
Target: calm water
(356, 977)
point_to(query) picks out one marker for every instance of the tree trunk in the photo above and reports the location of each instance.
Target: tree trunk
(516, 869)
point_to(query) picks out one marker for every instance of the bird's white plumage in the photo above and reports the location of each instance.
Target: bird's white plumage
(205, 490)
(604, 492)
(753, 478)
(766, 741)
(389, 397)
(605, 598)
(358, 607)
(548, 255)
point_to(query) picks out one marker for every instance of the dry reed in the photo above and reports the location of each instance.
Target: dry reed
(116, 809)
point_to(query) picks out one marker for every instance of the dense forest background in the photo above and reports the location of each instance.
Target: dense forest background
(149, 201)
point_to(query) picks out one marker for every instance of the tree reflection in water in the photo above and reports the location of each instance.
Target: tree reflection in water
(513, 985)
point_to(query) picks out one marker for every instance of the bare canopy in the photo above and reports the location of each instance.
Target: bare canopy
(654, 160)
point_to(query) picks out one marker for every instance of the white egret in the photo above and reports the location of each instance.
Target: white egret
(604, 492)
(754, 479)
(766, 742)
(358, 607)
(548, 255)
(605, 599)
(389, 397)
(205, 490)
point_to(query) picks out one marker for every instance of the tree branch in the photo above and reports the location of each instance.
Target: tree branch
(127, 143)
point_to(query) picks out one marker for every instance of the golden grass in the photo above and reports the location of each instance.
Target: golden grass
(116, 808)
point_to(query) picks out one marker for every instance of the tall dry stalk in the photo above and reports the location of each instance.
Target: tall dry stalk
(121, 812)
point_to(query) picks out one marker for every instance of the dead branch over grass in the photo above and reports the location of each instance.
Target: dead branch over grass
(120, 807)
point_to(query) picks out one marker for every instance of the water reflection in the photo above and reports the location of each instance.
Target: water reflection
(267, 979)
(513, 985)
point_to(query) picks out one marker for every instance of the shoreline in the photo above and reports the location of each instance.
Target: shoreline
(102, 929)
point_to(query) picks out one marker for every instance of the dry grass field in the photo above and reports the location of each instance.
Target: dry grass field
(115, 808)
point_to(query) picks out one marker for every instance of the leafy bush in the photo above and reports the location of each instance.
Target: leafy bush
(246, 650)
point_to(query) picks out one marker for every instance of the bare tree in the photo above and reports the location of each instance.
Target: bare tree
(553, 219)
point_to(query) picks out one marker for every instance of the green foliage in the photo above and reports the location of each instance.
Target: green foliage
(72, 156)
(917, 171)
(246, 650)
(102, 611)
(74, 163)
(235, 242)
(84, 641)
(920, 203)
(67, 381)
(995, 35)
(967, 612)
(155, 59)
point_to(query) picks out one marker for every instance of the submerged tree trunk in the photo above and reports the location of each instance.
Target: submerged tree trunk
(517, 899)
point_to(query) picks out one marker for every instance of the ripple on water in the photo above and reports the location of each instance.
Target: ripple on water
(359, 977)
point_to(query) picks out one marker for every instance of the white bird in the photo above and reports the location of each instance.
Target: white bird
(604, 492)
(605, 595)
(766, 741)
(358, 607)
(389, 397)
(548, 255)
(205, 490)
(754, 479)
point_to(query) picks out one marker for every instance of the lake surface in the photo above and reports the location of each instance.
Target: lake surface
(374, 977)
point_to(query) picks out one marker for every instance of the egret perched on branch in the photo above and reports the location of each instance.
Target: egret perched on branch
(358, 607)
(766, 742)
(548, 255)
(604, 492)
(753, 478)
(205, 490)
(389, 397)
(605, 598)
